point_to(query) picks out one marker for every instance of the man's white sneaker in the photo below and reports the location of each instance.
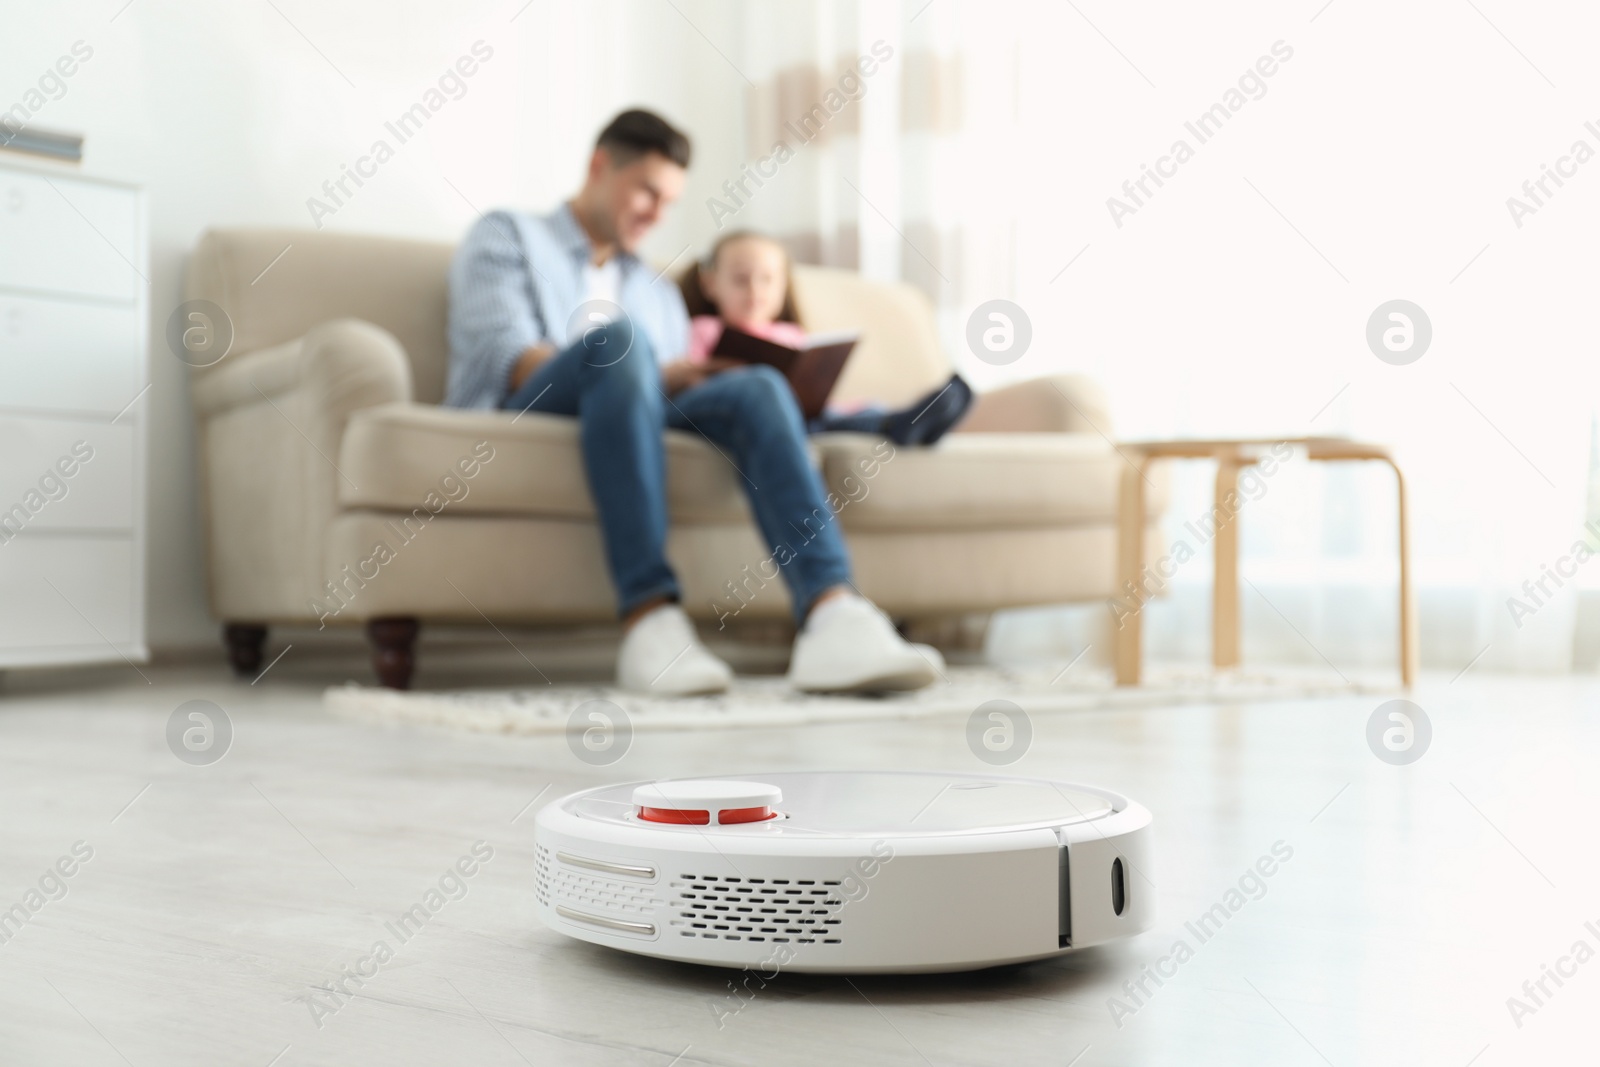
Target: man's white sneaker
(847, 645)
(662, 655)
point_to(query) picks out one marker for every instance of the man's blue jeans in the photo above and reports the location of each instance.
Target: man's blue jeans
(610, 380)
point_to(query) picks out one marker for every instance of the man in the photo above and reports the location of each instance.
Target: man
(530, 331)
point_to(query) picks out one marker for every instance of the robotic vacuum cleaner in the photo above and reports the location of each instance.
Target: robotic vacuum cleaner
(846, 871)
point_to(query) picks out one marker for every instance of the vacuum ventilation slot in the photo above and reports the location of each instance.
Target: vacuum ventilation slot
(801, 911)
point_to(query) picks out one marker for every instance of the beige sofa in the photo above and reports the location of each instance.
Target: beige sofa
(336, 490)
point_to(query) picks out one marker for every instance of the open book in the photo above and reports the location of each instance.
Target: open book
(812, 369)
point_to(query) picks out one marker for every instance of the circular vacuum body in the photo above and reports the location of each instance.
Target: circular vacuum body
(846, 871)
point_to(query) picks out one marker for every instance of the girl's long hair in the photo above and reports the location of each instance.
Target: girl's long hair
(694, 294)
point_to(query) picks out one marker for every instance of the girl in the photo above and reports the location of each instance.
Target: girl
(745, 283)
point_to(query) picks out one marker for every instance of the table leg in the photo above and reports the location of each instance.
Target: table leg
(1127, 623)
(1410, 652)
(1225, 555)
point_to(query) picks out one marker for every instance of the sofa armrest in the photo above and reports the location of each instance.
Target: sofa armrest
(346, 364)
(1059, 403)
(270, 426)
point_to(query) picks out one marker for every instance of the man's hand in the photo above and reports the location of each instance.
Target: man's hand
(530, 360)
(683, 374)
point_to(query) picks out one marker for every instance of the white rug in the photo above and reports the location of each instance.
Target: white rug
(768, 701)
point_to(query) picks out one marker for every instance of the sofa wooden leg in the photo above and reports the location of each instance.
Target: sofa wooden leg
(245, 641)
(393, 650)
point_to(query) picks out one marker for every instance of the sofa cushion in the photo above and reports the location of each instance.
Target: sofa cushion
(972, 481)
(394, 455)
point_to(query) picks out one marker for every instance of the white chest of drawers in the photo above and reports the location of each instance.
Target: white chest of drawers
(74, 309)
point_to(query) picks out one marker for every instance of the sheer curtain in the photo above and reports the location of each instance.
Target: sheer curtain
(890, 129)
(980, 160)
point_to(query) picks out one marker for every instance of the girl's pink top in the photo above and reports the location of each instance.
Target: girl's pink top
(706, 330)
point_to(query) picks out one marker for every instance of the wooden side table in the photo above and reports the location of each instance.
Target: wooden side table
(1232, 456)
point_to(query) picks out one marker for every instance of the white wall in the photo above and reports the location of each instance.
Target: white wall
(1392, 141)
(227, 115)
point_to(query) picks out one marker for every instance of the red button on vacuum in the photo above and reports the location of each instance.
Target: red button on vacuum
(761, 814)
(675, 815)
(692, 802)
(701, 817)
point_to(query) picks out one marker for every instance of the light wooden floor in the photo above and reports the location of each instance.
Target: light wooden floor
(1418, 899)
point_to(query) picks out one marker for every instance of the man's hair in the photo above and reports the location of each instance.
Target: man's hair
(638, 132)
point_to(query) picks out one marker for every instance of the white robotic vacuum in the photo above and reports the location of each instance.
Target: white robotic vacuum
(846, 871)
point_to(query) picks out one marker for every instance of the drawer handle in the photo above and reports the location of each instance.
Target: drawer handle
(627, 870)
(648, 929)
